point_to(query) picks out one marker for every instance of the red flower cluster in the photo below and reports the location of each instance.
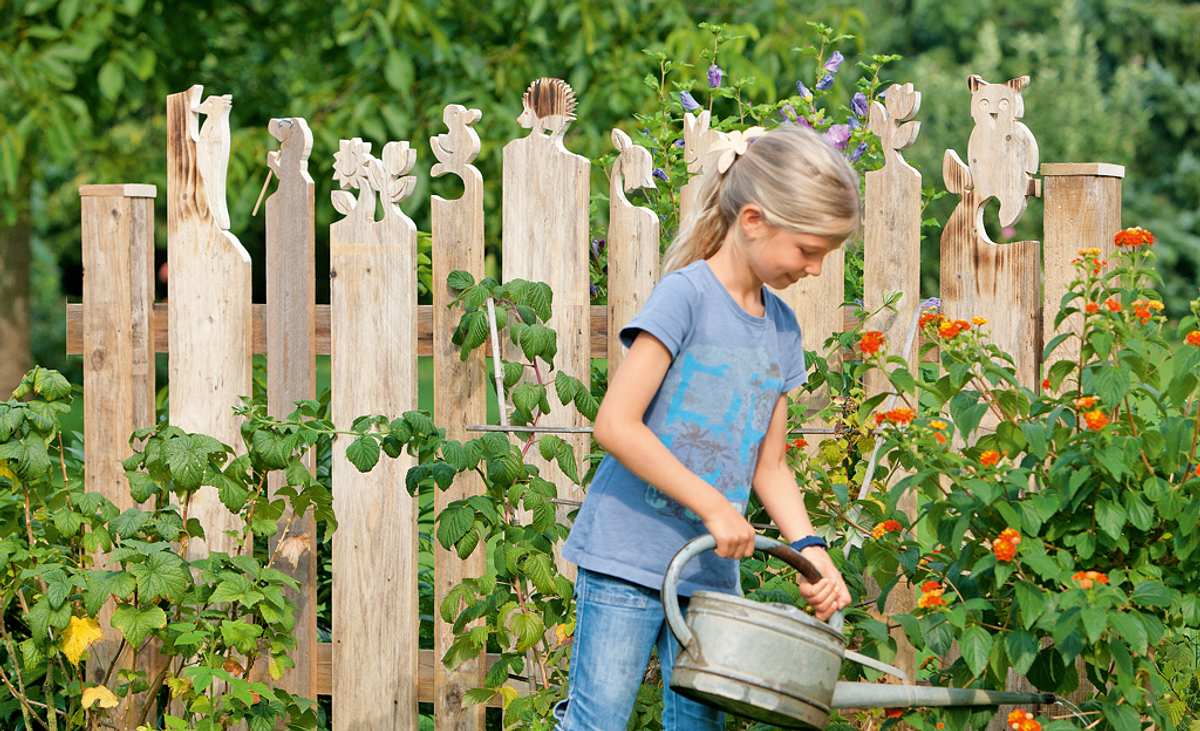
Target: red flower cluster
(898, 416)
(1083, 403)
(797, 443)
(1005, 546)
(1133, 237)
(950, 329)
(1142, 308)
(1091, 308)
(870, 342)
(989, 458)
(1095, 419)
(1193, 338)
(1023, 721)
(1113, 304)
(931, 595)
(929, 316)
(890, 525)
(1088, 579)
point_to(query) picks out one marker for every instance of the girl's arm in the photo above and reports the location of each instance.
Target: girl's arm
(775, 484)
(620, 430)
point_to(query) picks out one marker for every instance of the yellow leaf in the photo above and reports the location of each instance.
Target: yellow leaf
(79, 635)
(5, 471)
(99, 694)
(509, 694)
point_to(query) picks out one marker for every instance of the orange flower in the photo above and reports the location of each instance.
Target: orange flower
(1083, 403)
(1113, 304)
(1096, 419)
(870, 342)
(1091, 308)
(979, 320)
(890, 525)
(989, 458)
(929, 316)
(949, 330)
(1193, 338)
(1133, 237)
(1005, 550)
(938, 424)
(940, 437)
(1091, 251)
(1045, 384)
(1088, 579)
(894, 713)
(898, 416)
(1011, 534)
(931, 595)
(1023, 721)
(929, 586)
(797, 443)
(963, 325)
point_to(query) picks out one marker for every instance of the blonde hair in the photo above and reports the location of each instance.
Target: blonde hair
(800, 181)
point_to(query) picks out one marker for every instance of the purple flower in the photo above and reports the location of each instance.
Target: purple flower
(788, 113)
(596, 248)
(838, 135)
(932, 303)
(688, 102)
(834, 61)
(803, 122)
(854, 123)
(661, 174)
(678, 143)
(858, 104)
(592, 289)
(858, 152)
(714, 76)
(1008, 232)
(825, 82)
(802, 90)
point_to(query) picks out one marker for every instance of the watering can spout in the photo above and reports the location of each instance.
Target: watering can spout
(878, 695)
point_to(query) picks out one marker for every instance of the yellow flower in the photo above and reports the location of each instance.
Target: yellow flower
(938, 424)
(98, 694)
(80, 633)
(979, 320)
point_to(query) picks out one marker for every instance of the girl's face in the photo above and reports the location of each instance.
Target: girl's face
(780, 257)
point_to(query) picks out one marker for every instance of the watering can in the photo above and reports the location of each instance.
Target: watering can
(777, 664)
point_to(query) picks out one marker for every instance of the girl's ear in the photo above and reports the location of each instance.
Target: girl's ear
(752, 221)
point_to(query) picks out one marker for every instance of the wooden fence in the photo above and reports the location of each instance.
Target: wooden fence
(373, 668)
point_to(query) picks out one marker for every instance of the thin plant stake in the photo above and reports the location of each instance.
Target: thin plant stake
(497, 370)
(262, 192)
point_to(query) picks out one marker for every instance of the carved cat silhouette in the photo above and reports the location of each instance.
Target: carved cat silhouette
(1002, 153)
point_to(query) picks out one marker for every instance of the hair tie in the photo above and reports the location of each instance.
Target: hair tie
(730, 145)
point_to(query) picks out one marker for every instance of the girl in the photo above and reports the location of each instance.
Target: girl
(697, 415)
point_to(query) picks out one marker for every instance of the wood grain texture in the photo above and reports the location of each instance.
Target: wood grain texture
(1082, 209)
(373, 328)
(209, 290)
(633, 248)
(117, 241)
(459, 394)
(545, 239)
(291, 360)
(891, 264)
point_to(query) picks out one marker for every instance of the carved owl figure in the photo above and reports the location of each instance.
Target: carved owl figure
(1002, 152)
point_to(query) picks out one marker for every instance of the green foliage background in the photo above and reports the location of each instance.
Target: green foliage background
(84, 85)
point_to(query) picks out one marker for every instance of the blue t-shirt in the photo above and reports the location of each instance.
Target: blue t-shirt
(728, 370)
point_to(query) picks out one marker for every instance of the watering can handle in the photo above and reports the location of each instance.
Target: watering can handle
(696, 546)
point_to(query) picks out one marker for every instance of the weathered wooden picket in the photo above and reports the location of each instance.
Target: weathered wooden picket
(374, 330)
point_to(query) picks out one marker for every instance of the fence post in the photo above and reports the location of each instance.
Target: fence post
(290, 326)
(117, 237)
(892, 263)
(373, 370)
(459, 395)
(633, 256)
(545, 238)
(1082, 209)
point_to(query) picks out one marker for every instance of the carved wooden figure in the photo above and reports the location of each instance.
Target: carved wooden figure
(697, 138)
(373, 369)
(459, 396)
(979, 277)
(633, 257)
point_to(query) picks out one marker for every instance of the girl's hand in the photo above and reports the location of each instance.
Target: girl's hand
(830, 593)
(734, 534)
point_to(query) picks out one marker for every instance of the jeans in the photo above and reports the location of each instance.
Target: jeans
(617, 623)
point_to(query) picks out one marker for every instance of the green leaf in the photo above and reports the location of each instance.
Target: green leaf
(162, 574)
(527, 396)
(1110, 517)
(141, 486)
(512, 373)
(540, 569)
(186, 462)
(1141, 515)
(137, 624)
(67, 521)
(363, 453)
(231, 493)
(42, 617)
(1130, 629)
(459, 280)
(1095, 621)
(548, 446)
(528, 628)
(1022, 648)
(976, 645)
(130, 522)
(240, 635)
(398, 71)
(1122, 717)
(1049, 672)
(1031, 603)
(1110, 384)
(453, 523)
(1152, 594)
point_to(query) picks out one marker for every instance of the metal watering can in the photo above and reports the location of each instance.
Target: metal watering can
(776, 664)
